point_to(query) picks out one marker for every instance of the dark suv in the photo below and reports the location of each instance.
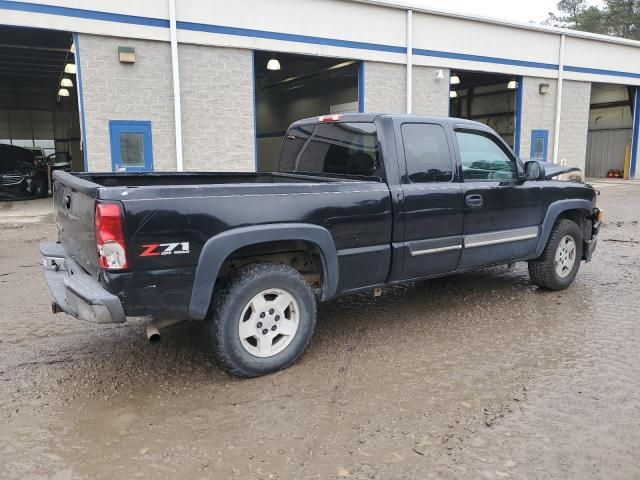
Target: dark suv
(20, 175)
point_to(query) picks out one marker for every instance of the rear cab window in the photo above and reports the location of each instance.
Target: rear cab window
(333, 149)
(426, 153)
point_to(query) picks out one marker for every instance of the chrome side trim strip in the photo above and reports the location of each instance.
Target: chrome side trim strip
(496, 238)
(363, 250)
(502, 240)
(436, 250)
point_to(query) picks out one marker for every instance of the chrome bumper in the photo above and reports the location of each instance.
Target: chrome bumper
(75, 292)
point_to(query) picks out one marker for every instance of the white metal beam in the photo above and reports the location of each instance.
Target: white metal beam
(175, 69)
(409, 60)
(556, 132)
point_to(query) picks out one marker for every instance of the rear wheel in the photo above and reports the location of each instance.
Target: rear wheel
(560, 261)
(262, 319)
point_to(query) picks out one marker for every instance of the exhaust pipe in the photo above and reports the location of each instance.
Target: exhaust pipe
(154, 326)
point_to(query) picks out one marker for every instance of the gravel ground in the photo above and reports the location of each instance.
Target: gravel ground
(479, 375)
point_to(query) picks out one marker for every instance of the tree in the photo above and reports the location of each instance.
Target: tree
(620, 18)
(593, 20)
(623, 18)
(572, 9)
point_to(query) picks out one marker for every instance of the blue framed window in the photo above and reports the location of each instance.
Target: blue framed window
(539, 145)
(131, 149)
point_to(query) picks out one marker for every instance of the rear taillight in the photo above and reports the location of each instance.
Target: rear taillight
(112, 250)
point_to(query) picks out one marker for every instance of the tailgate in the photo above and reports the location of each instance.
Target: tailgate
(74, 203)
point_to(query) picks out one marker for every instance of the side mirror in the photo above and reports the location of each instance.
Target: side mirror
(534, 170)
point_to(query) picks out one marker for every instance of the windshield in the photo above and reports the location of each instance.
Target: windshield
(332, 148)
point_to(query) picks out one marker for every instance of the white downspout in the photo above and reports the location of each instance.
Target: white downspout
(409, 60)
(177, 113)
(556, 132)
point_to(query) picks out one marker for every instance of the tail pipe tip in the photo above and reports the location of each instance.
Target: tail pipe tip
(154, 326)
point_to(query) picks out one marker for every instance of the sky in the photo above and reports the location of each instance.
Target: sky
(515, 10)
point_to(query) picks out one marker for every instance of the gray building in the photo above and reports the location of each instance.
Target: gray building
(210, 85)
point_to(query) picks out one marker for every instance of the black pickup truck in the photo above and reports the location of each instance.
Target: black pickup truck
(360, 201)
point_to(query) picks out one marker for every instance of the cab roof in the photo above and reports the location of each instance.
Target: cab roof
(371, 117)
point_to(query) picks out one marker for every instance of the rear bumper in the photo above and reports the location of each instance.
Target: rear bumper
(76, 292)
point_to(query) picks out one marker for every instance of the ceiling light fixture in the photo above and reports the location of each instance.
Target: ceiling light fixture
(273, 64)
(70, 68)
(66, 82)
(512, 85)
(63, 92)
(454, 80)
(453, 94)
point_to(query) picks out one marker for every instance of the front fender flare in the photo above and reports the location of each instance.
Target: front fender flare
(217, 249)
(553, 212)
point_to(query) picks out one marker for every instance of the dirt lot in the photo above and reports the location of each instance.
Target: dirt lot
(475, 376)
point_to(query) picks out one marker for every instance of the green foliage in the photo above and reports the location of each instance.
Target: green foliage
(620, 18)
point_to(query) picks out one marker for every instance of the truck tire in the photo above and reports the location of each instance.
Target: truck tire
(558, 265)
(262, 319)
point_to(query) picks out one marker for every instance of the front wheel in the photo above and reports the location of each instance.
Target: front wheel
(559, 263)
(262, 319)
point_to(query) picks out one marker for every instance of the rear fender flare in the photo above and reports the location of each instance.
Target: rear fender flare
(217, 249)
(553, 212)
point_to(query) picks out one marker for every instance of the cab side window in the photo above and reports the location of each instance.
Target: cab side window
(483, 158)
(426, 152)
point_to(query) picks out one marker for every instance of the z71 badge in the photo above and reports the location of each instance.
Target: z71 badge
(157, 249)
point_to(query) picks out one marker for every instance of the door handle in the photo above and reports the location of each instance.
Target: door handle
(474, 200)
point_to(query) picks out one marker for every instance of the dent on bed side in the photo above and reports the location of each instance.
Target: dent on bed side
(218, 248)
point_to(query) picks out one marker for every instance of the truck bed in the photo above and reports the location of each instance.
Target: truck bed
(191, 208)
(201, 178)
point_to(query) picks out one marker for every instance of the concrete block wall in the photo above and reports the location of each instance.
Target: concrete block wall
(574, 123)
(430, 96)
(217, 108)
(385, 87)
(538, 113)
(116, 91)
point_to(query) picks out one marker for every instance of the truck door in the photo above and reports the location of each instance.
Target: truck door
(433, 204)
(502, 212)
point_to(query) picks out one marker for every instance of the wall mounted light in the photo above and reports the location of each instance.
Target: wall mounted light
(454, 80)
(66, 82)
(273, 64)
(439, 74)
(63, 92)
(127, 54)
(512, 85)
(543, 88)
(453, 94)
(70, 68)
